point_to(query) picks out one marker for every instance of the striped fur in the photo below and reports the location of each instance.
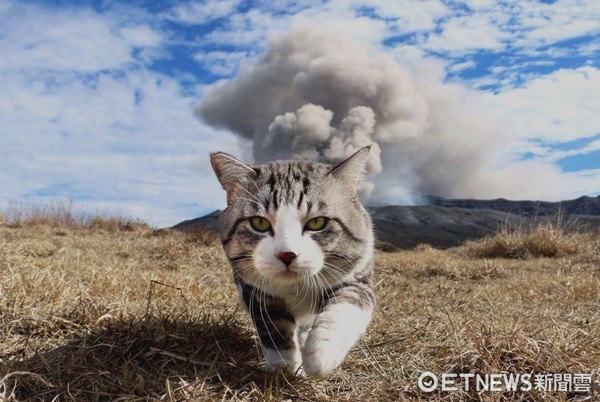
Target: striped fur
(311, 309)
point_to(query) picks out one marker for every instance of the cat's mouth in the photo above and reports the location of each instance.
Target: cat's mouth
(288, 273)
(294, 272)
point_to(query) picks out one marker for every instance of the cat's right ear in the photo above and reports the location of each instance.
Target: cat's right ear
(352, 169)
(232, 173)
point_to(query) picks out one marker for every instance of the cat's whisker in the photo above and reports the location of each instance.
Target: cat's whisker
(337, 273)
(342, 257)
(322, 289)
(256, 294)
(335, 267)
(263, 297)
(251, 305)
(253, 295)
(313, 301)
(329, 294)
(243, 268)
(239, 258)
(302, 291)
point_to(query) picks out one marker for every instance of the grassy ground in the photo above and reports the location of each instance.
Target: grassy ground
(117, 310)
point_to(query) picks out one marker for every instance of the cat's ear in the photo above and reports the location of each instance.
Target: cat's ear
(231, 172)
(353, 168)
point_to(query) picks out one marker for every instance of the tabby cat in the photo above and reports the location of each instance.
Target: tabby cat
(301, 247)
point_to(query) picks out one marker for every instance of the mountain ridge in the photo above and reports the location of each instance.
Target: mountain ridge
(585, 205)
(445, 223)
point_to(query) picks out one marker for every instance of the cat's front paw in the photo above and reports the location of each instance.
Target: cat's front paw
(294, 368)
(320, 358)
(288, 360)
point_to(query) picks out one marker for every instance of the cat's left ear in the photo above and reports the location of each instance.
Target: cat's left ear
(353, 168)
(232, 173)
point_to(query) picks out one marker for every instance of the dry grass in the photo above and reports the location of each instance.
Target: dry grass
(143, 314)
(61, 213)
(546, 240)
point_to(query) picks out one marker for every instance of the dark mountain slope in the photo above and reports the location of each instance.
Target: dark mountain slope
(448, 223)
(580, 206)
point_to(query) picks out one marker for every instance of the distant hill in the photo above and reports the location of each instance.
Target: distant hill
(580, 206)
(210, 221)
(408, 226)
(449, 222)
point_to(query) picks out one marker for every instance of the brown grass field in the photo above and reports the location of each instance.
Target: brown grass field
(97, 309)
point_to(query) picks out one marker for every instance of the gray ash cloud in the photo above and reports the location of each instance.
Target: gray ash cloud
(320, 95)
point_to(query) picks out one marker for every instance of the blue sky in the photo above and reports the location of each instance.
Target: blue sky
(97, 98)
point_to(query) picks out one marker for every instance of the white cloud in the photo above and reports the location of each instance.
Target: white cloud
(342, 19)
(252, 29)
(542, 24)
(479, 4)
(98, 142)
(70, 39)
(467, 33)
(559, 107)
(409, 15)
(527, 26)
(589, 49)
(197, 13)
(97, 126)
(220, 62)
(245, 30)
(461, 66)
(286, 6)
(53, 41)
(542, 180)
(553, 155)
(140, 36)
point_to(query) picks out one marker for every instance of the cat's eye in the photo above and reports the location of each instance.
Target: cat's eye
(260, 224)
(316, 223)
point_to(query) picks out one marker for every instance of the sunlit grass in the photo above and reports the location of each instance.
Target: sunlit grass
(143, 314)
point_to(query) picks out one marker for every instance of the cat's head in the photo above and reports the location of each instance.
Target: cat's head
(286, 221)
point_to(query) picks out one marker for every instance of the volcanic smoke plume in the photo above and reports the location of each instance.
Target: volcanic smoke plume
(319, 95)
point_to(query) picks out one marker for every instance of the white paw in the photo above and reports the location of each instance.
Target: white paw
(288, 360)
(291, 367)
(320, 358)
(334, 332)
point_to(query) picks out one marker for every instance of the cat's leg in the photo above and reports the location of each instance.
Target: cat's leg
(276, 328)
(337, 328)
(279, 344)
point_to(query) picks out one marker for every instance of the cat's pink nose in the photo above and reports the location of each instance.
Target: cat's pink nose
(286, 257)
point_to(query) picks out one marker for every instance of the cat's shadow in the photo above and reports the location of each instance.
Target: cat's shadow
(147, 358)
